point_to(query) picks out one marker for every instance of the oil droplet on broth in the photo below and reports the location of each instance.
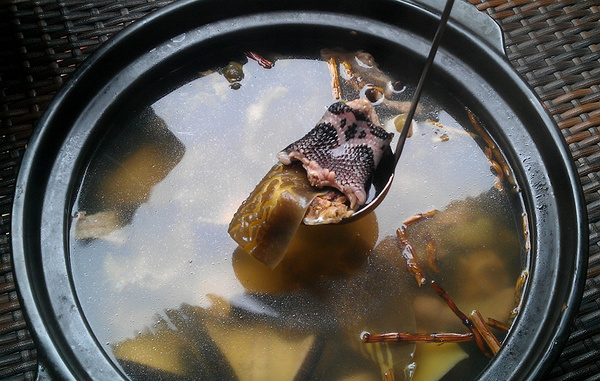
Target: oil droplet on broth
(321, 297)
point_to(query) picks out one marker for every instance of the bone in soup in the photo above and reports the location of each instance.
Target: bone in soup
(170, 295)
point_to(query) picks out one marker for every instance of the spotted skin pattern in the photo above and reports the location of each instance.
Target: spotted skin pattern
(342, 150)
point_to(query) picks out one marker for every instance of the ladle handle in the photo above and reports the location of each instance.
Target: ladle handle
(415, 101)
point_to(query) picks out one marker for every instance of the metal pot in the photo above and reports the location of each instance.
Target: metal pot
(471, 63)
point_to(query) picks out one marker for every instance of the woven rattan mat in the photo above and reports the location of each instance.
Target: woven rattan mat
(554, 45)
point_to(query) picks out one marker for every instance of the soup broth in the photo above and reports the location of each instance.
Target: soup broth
(169, 295)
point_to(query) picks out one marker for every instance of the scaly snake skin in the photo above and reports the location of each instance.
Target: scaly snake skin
(342, 150)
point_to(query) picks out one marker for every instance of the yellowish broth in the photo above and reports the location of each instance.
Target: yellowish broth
(168, 293)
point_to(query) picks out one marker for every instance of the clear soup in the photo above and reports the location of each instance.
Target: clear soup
(169, 295)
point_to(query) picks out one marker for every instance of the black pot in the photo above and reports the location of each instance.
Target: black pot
(470, 63)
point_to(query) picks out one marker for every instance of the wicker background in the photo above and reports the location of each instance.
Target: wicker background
(553, 44)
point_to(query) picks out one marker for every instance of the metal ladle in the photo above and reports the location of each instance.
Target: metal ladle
(384, 175)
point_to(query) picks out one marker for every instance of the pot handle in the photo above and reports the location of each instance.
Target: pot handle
(471, 19)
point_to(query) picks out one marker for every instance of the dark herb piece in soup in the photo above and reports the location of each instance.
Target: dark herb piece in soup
(170, 295)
